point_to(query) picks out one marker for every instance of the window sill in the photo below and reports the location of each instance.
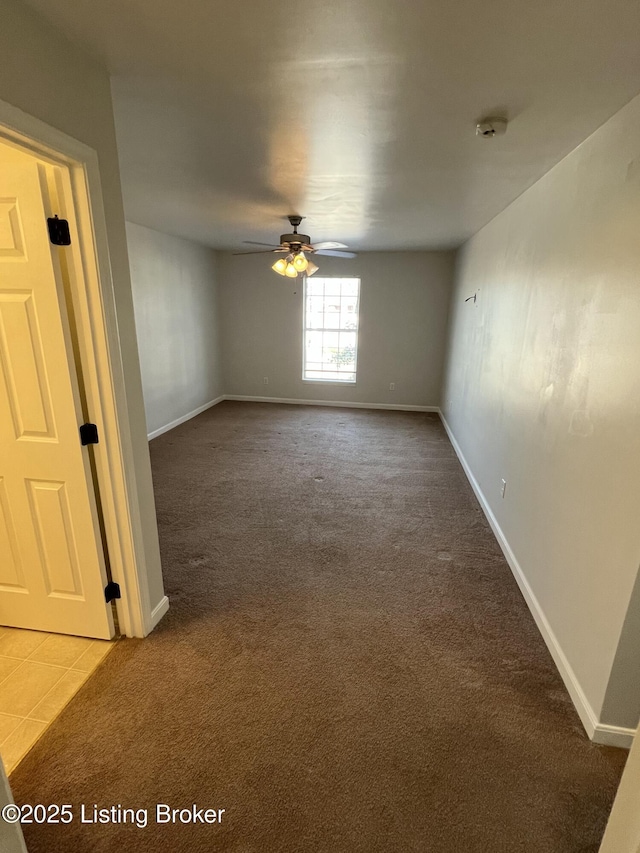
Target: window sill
(330, 381)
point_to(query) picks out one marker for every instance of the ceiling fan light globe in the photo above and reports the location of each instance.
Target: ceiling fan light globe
(300, 262)
(280, 266)
(311, 268)
(291, 271)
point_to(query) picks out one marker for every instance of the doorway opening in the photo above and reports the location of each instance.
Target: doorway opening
(97, 345)
(54, 564)
(68, 567)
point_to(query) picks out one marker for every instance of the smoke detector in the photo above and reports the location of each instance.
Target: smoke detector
(490, 127)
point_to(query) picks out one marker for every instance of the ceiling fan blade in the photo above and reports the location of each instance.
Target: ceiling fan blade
(329, 244)
(253, 243)
(260, 252)
(334, 253)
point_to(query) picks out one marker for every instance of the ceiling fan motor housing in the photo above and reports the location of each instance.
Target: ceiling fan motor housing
(290, 239)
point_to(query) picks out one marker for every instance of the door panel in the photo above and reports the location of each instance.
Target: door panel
(52, 568)
(11, 239)
(23, 365)
(56, 540)
(11, 575)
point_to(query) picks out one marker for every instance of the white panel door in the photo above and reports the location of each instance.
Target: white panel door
(52, 568)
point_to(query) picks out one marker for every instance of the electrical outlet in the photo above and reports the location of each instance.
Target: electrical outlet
(266, 380)
(392, 386)
(503, 487)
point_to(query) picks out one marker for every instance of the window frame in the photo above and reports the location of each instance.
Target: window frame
(305, 330)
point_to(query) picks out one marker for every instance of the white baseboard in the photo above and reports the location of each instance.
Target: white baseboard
(613, 736)
(187, 417)
(393, 406)
(159, 611)
(400, 407)
(597, 732)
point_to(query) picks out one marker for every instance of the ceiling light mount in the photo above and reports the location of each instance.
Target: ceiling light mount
(295, 240)
(492, 126)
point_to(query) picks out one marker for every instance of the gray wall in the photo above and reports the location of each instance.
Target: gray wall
(45, 75)
(175, 296)
(543, 388)
(404, 300)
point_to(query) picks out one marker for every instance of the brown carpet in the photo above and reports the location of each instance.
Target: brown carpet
(347, 664)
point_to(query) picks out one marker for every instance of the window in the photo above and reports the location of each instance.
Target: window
(330, 329)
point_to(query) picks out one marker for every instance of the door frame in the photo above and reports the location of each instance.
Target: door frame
(100, 357)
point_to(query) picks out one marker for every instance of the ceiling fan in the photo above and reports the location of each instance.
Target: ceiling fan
(295, 248)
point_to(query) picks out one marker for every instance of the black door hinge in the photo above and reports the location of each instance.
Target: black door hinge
(111, 591)
(88, 434)
(59, 233)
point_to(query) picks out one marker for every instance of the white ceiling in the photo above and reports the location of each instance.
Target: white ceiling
(358, 114)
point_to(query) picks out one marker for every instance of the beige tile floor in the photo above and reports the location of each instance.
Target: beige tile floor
(39, 673)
